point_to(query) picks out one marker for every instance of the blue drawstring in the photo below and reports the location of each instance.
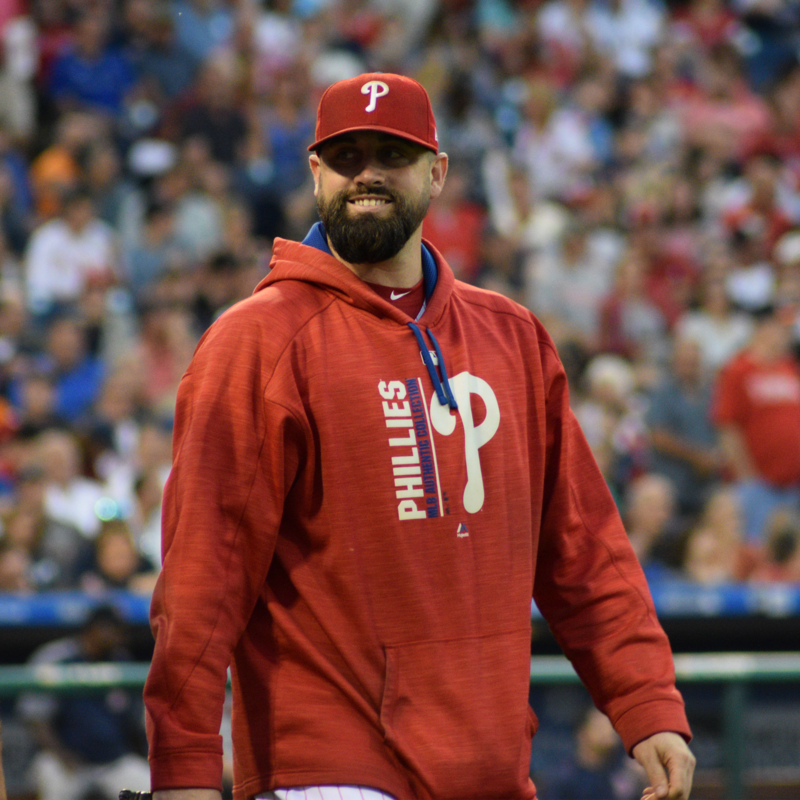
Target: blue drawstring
(445, 380)
(441, 385)
(318, 238)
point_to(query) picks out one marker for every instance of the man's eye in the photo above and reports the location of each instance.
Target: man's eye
(393, 154)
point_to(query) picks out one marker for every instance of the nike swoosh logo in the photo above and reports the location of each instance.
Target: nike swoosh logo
(398, 296)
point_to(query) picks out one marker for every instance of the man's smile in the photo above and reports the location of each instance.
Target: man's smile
(369, 202)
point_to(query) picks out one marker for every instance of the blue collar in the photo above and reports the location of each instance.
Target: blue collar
(318, 239)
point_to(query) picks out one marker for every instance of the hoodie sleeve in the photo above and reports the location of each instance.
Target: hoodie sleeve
(235, 454)
(590, 588)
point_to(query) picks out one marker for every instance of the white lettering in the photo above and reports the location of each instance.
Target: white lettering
(410, 442)
(374, 89)
(768, 389)
(392, 390)
(407, 509)
(396, 409)
(412, 459)
(407, 471)
(410, 483)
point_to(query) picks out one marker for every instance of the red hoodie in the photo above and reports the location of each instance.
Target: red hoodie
(364, 558)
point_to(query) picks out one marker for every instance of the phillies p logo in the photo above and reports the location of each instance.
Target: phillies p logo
(475, 436)
(374, 89)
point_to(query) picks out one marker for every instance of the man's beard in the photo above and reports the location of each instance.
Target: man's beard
(367, 238)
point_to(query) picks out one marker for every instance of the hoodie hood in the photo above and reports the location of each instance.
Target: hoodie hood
(312, 262)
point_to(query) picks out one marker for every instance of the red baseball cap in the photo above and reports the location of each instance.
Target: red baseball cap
(377, 101)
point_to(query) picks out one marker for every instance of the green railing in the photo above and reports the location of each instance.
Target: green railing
(734, 671)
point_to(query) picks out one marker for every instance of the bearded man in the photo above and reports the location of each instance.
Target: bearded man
(375, 470)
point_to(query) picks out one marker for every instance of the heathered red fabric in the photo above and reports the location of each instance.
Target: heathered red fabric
(379, 635)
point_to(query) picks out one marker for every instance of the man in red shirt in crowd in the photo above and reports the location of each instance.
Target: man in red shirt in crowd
(757, 409)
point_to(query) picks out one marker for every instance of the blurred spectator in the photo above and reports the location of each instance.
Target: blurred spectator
(56, 549)
(36, 408)
(705, 23)
(218, 290)
(77, 374)
(715, 551)
(627, 31)
(567, 284)
(165, 349)
(165, 68)
(600, 769)
(630, 324)
(202, 26)
(528, 223)
(719, 330)
(454, 226)
(202, 194)
(116, 563)
(611, 416)
(723, 114)
(15, 568)
(92, 74)
(768, 33)
(214, 115)
(781, 560)
(20, 56)
(67, 252)
(117, 201)
(757, 409)
(69, 497)
(146, 516)
(90, 742)
(56, 171)
(157, 251)
(650, 519)
(286, 125)
(14, 229)
(20, 192)
(760, 216)
(553, 144)
(683, 439)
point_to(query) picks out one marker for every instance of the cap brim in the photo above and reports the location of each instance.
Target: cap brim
(380, 129)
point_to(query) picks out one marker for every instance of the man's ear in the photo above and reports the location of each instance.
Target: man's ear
(313, 162)
(438, 174)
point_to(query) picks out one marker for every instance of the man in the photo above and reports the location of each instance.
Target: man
(359, 535)
(757, 410)
(89, 743)
(683, 439)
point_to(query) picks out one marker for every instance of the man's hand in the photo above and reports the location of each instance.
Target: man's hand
(669, 765)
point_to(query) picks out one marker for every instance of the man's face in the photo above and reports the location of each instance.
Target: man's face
(373, 191)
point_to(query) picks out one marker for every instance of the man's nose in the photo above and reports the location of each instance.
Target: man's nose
(370, 173)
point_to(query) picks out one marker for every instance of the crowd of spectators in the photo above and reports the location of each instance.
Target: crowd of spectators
(627, 169)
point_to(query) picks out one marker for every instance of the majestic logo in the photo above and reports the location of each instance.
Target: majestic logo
(374, 89)
(412, 421)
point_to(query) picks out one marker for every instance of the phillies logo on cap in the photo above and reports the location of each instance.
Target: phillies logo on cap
(374, 89)
(356, 104)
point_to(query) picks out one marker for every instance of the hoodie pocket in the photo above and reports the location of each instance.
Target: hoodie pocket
(456, 714)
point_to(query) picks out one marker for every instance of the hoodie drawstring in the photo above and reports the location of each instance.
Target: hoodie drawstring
(441, 384)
